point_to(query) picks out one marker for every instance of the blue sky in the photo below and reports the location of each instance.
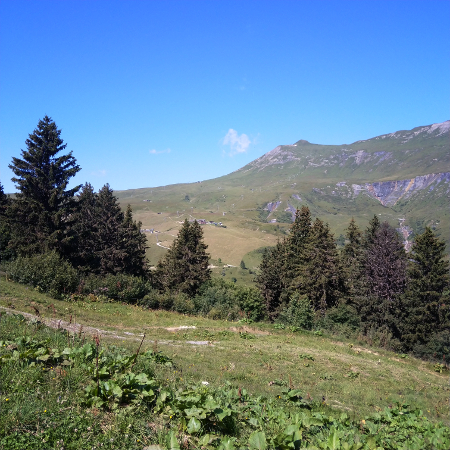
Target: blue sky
(149, 93)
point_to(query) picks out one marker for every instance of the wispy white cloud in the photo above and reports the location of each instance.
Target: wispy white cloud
(157, 152)
(238, 144)
(99, 173)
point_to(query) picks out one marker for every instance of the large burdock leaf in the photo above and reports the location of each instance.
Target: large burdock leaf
(257, 441)
(171, 441)
(194, 425)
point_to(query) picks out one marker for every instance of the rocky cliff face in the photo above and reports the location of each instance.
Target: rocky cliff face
(388, 193)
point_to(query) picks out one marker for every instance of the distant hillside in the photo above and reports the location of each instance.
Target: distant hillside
(404, 177)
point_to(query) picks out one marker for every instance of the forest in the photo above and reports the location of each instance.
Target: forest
(75, 242)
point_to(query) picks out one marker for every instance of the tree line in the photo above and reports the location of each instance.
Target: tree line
(372, 281)
(80, 241)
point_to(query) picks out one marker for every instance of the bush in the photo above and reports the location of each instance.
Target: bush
(183, 304)
(298, 313)
(342, 319)
(47, 272)
(251, 302)
(151, 300)
(437, 348)
(120, 287)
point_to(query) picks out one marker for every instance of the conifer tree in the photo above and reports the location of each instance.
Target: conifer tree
(41, 213)
(424, 310)
(385, 271)
(319, 274)
(110, 246)
(135, 243)
(352, 258)
(270, 279)
(280, 265)
(84, 255)
(185, 266)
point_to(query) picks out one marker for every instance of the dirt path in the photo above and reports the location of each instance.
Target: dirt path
(76, 328)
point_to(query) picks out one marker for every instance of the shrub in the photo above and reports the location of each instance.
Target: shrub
(341, 319)
(298, 312)
(121, 287)
(251, 302)
(183, 304)
(47, 272)
(151, 300)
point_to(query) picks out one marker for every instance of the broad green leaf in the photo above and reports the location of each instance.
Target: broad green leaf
(333, 440)
(194, 425)
(171, 441)
(257, 441)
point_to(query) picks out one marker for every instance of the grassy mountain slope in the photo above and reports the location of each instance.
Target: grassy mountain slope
(387, 175)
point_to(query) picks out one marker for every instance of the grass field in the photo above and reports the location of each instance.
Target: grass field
(343, 375)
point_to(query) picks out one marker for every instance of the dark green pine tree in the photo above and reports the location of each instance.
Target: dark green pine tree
(385, 278)
(41, 213)
(369, 234)
(86, 245)
(135, 243)
(352, 258)
(185, 266)
(424, 309)
(279, 265)
(319, 274)
(270, 279)
(110, 247)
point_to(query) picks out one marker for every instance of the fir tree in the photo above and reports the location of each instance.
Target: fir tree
(41, 213)
(319, 274)
(135, 243)
(270, 279)
(352, 258)
(280, 265)
(385, 271)
(110, 246)
(424, 310)
(185, 266)
(86, 245)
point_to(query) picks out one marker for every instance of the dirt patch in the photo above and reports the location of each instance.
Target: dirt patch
(181, 328)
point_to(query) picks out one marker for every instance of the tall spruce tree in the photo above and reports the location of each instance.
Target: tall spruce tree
(319, 274)
(135, 243)
(271, 280)
(185, 266)
(84, 255)
(352, 258)
(279, 266)
(41, 213)
(425, 308)
(385, 276)
(110, 246)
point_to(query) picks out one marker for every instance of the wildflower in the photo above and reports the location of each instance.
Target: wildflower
(45, 410)
(7, 400)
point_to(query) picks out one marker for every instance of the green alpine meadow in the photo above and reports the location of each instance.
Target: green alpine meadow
(300, 302)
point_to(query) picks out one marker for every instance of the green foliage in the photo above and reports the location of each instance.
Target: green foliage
(298, 312)
(320, 275)
(425, 303)
(185, 266)
(342, 319)
(41, 214)
(47, 273)
(119, 287)
(101, 386)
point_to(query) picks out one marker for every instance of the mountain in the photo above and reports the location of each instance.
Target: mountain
(404, 177)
